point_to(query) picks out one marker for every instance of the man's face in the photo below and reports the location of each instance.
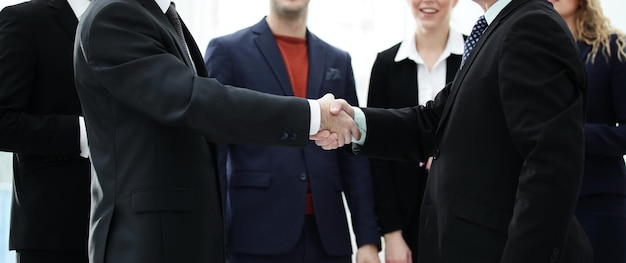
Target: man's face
(289, 7)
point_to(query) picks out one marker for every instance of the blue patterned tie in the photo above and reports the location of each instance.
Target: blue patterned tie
(471, 41)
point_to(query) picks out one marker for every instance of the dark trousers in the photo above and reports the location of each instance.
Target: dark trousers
(309, 249)
(604, 219)
(45, 256)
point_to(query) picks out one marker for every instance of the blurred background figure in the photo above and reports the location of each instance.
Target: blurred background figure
(40, 123)
(284, 204)
(602, 205)
(410, 73)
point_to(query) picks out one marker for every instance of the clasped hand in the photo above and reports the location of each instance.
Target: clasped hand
(337, 127)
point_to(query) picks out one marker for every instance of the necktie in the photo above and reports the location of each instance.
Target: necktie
(471, 41)
(172, 15)
(175, 21)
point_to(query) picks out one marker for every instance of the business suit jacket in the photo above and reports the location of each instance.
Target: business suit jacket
(603, 191)
(151, 122)
(267, 185)
(399, 186)
(605, 144)
(508, 146)
(39, 112)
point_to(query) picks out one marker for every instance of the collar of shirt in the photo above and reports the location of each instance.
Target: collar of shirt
(78, 6)
(495, 9)
(163, 4)
(407, 48)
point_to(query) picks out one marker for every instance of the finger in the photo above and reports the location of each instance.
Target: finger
(320, 135)
(356, 133)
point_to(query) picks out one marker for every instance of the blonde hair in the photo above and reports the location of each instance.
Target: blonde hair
(594, 29)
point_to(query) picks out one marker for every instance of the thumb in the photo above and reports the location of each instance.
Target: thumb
(341, 105)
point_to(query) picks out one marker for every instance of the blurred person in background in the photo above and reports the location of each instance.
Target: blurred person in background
(410, 73)
(602, 204)
(41, 123)
(285, 204)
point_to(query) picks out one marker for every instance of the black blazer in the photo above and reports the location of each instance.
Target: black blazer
(39, 112)
(507, 138)
(399, 186)
(156, 196)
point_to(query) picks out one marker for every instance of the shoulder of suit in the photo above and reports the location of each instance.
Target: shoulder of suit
(392, 51)
(389, 54)
(30, 11)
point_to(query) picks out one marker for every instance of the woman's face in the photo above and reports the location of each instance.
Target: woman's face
(566, 8)
(432, 13)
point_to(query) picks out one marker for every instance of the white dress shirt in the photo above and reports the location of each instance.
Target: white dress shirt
(433, 81)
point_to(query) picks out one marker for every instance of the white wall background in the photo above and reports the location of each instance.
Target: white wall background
(361, 27)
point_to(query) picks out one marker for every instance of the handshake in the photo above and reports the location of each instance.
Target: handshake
(337, 126)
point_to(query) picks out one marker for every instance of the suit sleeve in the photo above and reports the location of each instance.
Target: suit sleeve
(130, 54)
(386, 200)
(541, 88)
(21, 130)
(610, 140)
(404, 134)
(357, 179)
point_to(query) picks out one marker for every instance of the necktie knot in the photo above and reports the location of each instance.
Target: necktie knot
(474, 36)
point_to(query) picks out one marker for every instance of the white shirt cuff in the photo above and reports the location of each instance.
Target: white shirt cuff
(359, 119)
(316, 117)
(84, 146)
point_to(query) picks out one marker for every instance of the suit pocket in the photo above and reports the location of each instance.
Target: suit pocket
(480, 214)
(159, 200)
(250, 179)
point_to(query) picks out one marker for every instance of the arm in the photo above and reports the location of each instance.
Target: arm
(21, 130)
(610, 140)
(138, 70)
(386, 197)
(541, 91)
(388, 208)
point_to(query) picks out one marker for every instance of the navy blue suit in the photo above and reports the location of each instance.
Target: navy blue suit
(602, 205)
(266, 186)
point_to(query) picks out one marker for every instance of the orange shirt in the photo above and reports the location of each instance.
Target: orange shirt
(296, 58)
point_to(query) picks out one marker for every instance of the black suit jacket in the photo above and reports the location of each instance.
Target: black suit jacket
(398, 185)
(39, 112)
(156, 196)
(508, 146)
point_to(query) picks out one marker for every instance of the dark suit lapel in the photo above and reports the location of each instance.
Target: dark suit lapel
(66, 17)
(266, 43)
(317, 68)
(194, 51)
(404, 87)
(458, 79)
(158, 14)
(452, 66)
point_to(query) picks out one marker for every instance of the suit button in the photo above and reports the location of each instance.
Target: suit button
(293, 136)
(556, 251)
(284, 136)
(302, 176)
(436, 154)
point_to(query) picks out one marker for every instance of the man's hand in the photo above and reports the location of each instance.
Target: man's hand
(396, 249)
(367, 254)
(337, 125)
